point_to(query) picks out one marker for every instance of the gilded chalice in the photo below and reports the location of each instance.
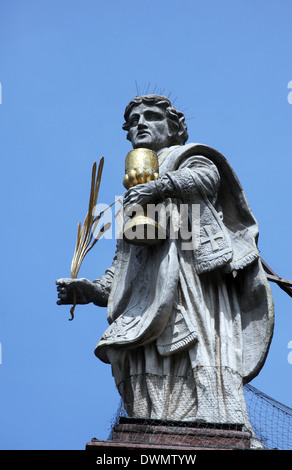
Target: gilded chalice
(141, 166)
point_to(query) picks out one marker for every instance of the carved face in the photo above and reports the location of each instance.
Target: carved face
(148, 127)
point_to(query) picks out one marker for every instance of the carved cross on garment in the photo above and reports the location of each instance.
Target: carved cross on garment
(174, 323)
(211, 237)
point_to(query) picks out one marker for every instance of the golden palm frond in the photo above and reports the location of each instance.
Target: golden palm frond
(86, 238)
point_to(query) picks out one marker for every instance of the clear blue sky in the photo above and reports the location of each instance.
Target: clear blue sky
(68, 69)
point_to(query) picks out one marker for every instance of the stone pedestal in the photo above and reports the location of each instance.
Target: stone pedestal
(147, 435)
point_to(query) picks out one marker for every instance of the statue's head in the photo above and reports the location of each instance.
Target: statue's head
(152, 122)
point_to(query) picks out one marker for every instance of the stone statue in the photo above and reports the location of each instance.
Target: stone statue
(187, 327)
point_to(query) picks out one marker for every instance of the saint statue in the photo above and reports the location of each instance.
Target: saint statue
(187, 327)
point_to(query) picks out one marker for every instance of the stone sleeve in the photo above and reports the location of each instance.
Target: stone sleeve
(105, 282)
(196, 175)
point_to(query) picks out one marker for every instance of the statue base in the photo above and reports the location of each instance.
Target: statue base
(155, 435)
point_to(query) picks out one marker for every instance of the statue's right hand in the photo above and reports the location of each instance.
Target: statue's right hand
(68, 287)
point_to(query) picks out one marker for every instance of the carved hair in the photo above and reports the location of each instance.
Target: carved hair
(176, 119)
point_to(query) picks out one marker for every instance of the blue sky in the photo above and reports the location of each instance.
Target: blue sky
(67, 70)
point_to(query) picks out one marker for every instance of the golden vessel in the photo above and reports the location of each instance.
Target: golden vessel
(141, 166)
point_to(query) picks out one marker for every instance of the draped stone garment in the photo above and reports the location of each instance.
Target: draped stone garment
(189, 326)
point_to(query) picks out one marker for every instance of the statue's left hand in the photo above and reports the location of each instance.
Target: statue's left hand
(141, 194)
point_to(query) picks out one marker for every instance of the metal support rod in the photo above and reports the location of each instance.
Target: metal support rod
(284, 284)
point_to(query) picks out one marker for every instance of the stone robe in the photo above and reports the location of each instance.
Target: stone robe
(188, 327)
